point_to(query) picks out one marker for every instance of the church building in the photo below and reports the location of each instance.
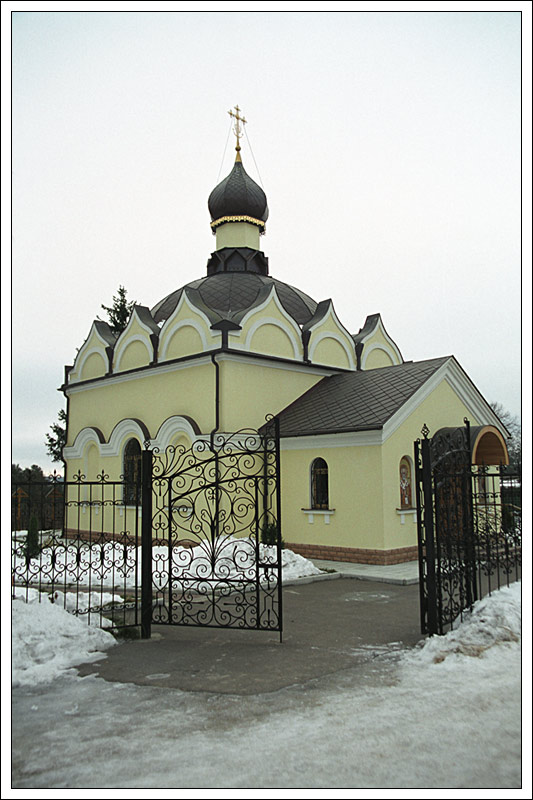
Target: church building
(237, 344)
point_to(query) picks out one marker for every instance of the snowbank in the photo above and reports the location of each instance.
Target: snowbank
(494, 620)
(113, 565)
(46, 640)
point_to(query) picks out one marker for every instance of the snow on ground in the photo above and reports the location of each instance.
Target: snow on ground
(445, 715)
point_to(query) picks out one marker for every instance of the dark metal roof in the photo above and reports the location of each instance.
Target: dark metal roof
(236, 195)
(232, 293)
(356, 401)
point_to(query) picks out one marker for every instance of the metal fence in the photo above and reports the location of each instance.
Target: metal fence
(79, 543)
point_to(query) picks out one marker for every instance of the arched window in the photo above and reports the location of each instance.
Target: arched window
(406, 497)
(132, 472)
(319, 484)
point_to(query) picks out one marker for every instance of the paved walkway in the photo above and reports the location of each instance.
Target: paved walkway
(332, 625)
(405, 574)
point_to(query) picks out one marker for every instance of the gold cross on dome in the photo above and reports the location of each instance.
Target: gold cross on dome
(237, 127)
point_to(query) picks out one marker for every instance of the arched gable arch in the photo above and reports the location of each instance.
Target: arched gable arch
(344, 343)
(125, 429)
(372, 347)
(99, 341)
(293, 340)
(195, 319)
(85, 437)
(284, 322)
(173, 426)
(141, 327)
(120, 351)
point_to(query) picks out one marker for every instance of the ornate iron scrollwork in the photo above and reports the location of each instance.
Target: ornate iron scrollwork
(212, 504)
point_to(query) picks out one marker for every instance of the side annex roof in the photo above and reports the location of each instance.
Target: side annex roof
(356, 401)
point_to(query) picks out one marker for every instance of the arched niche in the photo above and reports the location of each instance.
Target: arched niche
(488, 446)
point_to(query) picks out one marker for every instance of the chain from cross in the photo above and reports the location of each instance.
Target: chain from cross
(237, 127)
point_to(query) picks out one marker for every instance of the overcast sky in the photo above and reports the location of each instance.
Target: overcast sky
(389, 146)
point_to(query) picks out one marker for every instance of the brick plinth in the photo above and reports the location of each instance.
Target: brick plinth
(355, 555)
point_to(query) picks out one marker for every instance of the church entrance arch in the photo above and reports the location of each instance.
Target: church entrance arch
(211, 532)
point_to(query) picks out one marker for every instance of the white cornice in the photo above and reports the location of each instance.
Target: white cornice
(291, 366)
(202, 360)
(460, 383)
(326, 440)
(147, 372)
(85, 437)
(414, 401)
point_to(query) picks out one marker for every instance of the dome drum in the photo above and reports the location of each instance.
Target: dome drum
(237, 259)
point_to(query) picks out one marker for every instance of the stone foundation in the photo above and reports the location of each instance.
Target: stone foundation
(354, 554)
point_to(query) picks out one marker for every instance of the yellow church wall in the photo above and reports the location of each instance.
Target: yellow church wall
(272, 340)
(442, 408)
(94, 366)
(378, 358)
(331, 353)
(354, 493)
(184, 342)
(251, 391)
(135, 354)
(188, 391)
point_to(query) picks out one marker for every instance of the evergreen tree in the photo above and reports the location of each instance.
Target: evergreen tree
(58, 438)
(119, 313)
(32, 548)
(26, 474)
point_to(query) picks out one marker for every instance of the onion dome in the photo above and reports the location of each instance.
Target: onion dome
(238, 198)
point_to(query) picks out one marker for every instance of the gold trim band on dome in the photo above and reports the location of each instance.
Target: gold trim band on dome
(252, 220)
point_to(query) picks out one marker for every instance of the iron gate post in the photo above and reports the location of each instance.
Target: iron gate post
(428, 523)
(278, 519)
(146, 545)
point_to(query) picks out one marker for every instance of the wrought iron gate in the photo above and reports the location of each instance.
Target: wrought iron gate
(196, 541)
(211, 521)
(469, 527)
